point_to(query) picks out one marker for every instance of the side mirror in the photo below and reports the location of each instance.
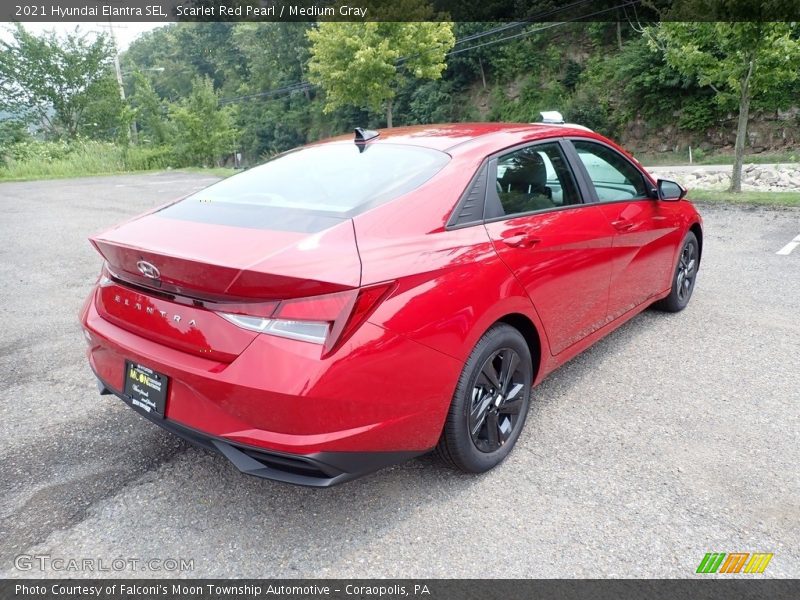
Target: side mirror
(670, 190)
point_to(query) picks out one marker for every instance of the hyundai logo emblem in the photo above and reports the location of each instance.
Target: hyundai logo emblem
(149, 270)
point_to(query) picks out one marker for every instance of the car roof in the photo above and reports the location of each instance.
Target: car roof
(462, 138)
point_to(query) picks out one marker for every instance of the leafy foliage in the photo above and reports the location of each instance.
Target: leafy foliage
(41, 159)
(13, 134)
(150, 111)
(720, 56)
(59, 83)
(362, 64)
(197, 92)
(203, 129)
(739, 61)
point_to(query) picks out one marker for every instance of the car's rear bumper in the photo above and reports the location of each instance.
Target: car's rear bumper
(279, 410)
(321, 469)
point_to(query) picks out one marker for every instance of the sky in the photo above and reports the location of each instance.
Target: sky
(124, 32)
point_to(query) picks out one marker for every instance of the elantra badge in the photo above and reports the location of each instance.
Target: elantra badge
(149, 270)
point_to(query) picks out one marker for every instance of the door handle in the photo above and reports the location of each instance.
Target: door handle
(521, 240)
(623, 224)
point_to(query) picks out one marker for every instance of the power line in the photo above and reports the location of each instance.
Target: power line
(538, 17)
(300, 86)
(480, 34)
(501, 28)
(543, 28)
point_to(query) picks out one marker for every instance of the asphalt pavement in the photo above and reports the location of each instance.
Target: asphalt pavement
(675, 436)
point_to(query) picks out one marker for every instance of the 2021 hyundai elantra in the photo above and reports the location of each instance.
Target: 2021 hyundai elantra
(358, 302)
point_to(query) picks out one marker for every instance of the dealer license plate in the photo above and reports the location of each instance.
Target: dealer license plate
(145, 388)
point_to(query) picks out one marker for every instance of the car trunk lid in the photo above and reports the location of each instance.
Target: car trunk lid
(224, 262)
(168, 278)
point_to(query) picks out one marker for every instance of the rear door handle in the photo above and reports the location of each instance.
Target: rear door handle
(520, 240)
(623, 224)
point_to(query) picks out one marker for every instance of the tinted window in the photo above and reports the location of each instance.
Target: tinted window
(614, 178)
(533, 178)
(334, 179)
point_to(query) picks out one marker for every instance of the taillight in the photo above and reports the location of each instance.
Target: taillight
(328, 320)
(105, 276)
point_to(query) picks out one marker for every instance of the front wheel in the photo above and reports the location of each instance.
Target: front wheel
(684, 277)
(490, 403)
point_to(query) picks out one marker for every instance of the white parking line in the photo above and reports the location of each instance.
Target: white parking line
(787, 249)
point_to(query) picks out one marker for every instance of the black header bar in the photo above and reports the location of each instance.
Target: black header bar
(634, 11)
(699, 588)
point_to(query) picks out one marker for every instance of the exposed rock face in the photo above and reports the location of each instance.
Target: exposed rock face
(758, 178)
(765, 131)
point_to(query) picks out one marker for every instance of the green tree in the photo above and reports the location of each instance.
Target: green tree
(106, 116)
(275, 54)
(362, 64)
(172, 56)
(740, 61)
(54, 81)
(149, 110)
(275, 108)
(204, 129)
(465, 68)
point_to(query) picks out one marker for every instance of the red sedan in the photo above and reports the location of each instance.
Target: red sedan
(357, 302)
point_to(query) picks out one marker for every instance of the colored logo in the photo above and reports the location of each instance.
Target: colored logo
(735, 562)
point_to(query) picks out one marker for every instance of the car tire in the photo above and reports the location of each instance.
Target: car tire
(490, 404)
(684, 278)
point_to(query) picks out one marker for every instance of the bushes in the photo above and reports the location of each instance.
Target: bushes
(699, 113)
(198, 131)
(147, 158)
(33, 160)
(204, 132)
(430, 102)
(46, 159)
(534, 97)
(31, 150)
(587, 107)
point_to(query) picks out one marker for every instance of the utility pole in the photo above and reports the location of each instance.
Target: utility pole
(132, 133)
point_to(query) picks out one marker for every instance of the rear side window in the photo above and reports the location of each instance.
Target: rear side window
(335, 180)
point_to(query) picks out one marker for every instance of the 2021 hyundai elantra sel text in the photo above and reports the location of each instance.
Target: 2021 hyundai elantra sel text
(357, 302)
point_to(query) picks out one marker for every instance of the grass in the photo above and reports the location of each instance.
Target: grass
(57, 160)
(96, 160)
(60, 172)
(75, 164)
(682, 158)
(782, 199)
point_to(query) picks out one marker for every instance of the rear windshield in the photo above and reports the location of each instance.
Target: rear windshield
(334, 179)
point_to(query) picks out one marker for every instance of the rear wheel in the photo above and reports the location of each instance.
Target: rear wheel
(490, 402)
(684, 277)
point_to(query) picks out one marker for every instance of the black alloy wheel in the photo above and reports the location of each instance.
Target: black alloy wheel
(490, 402)
(687, 269)
(497, 398)
(684, 278)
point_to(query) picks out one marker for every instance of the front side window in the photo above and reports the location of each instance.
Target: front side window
(534, 178)
(614, 178)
